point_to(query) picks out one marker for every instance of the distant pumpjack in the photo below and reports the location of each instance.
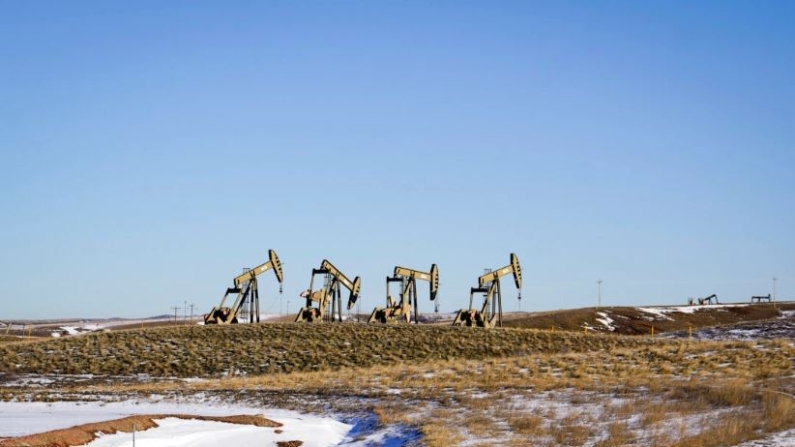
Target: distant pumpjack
(489, 285)
(246, 291)
(759, 299)
(328, 294)
(401, 311)
(708, 300)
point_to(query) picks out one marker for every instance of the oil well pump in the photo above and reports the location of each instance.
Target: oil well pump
(396, 311)
(489, 285)
(708, 300)
(328, 294)
(246, 292)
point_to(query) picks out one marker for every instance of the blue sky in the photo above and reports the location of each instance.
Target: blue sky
(151, 150)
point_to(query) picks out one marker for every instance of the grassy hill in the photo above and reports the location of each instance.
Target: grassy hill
(636, 321)
(280, 348)
(558, 384)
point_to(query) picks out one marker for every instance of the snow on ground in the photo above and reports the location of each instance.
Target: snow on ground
(780, 439)
(77, 330)
(657, 312)
(174, 432)
(22, 418)
(605, 320)
(661, 311)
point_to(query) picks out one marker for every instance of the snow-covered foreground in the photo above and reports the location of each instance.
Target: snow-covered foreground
(20, 418)
(174, 432)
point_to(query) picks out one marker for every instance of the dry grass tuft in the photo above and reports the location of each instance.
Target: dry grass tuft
(439, 430)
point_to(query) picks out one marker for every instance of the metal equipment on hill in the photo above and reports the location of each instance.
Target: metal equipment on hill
(489, 285)
(708, 300)
(328, 294)
(761, 298)
(394, 310)
(246, 291)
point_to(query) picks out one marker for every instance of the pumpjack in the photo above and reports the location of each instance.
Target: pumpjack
(489, 285)
(708, 300)
(329, 293)
(761, 298)
(246, 291)
(397, 311)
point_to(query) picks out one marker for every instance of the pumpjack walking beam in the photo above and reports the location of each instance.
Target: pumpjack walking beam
(330, 293)
(247, 291)
(490, 314)
(394, 310)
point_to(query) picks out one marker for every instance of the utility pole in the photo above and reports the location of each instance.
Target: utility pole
(599, 305)
(191, 312)
(185, 310)
(774, 288)
(176, 308)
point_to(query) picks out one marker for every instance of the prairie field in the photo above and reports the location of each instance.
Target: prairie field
(436, 385)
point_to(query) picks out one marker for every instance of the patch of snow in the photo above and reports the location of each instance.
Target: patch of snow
(174, 432)
(30, 381)
(661, 311)
(391, 436)
(368, 432)
(781, 439)
(657, 312)
(22, 418)
(606, 321)
(77, 330)
(479, 395)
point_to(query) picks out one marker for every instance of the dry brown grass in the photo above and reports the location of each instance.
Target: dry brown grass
(525, 424)
(393, 412)
(8, 339)
(282, 348)
(289, 443)
(439, 431)
(618, 434)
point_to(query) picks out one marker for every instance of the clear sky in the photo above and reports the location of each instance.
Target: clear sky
(150, 150)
